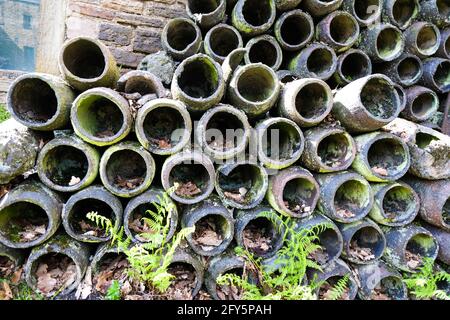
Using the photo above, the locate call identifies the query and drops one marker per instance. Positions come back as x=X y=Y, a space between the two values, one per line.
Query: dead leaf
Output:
x=381 y=171
x=74 y=181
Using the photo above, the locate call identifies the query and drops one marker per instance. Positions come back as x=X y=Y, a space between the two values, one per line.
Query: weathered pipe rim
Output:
x=262 y=127
x=433 y=70
x=207 y=41
x=416 y=232
x=105 y=52
x=118 y=101
x=187 y=257
x=203 y=124
x=150 y=106
x=76 y=143
x=282 y=19
x=87 y=194
x=190 y=157
x=343 y=56
x=269 y=39
x=400 y=44
x=148 y=197
x=49 y=80
x=321 y=7
x=430 y=51
x=282 y=74
x=100 y=253
x=221 y=7
x=402 y=99
x=389 y=8
x=375 y=16
x=306 y=54
x=224 y=264
x=144 y=154
x=160 y=91
x=416 y=93
x=258 y=198
x=350 y=41
x=180 y=53
x=239 y=22
x=416 y=78
x=443 y=51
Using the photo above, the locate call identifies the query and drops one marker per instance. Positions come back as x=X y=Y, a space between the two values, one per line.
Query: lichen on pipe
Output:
x=307 y=102
x=422 y=103
x=280 y=142
x=401 y=13
x=345 y=196
x=284 y=5
x=405 y=70
x=443 y=239
x=319 y=8
x=68 y=164
x=163 y=126
x=315 y=61
x=396 y=204
x=242 y=184
x=40 y=101
x=206 y=13
x=92 y=199
x=436 y=74
x=221 y=40
x=87 y=63
x=191 y=173
x=353 y=64
x=253 y=17
x=435 y=11
x=366 y=12
x=328 y=149
x=101 y=117
x=160 y=64
x=422 y=39
x=264 y=49
x=381 y=157
x=181 y=38
x=231 y=63
x=58 y=248
x=29 y=206
x=367 y=104
x=254 y=88
x=294 y=30
x=137 y=208
x=142 y=82
x=339 y=30
x=198 y=82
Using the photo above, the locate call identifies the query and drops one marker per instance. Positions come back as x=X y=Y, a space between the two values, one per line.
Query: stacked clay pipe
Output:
x=354 y=93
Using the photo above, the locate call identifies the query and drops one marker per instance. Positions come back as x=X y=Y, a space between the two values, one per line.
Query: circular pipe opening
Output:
x=222 y=131
x=351 y=199
x=365 y=9
x=7 y=267
x=256 y=84
x=23 y=222
x=299 y=195
x=428 y=39
x=354 y=66
x=191 y=179
x=126 y=170
x=442 y=75
x=199 y=78
x=283 y=141
x=330 y=247
x=312 y=101
x=403 y=11
x=84 y=59
x=296 y=30
x=419 y=247
x=138 y=227
x=141 y=85
x=33 y=100
x=423 y=140
x=184 y=282
x=223 y=40
x=65 y=165
x=399 y=203
x=335 y=150
x=443 y=7
x=343 y=29
x=99 y=116
x=379 y=98
x=389 y=288
x=424 y=105
x=320 y=61
x=257 y=12
x=181 y=34
x=159 y=126
x=203 y=6
x=366 y=244
x=409 y=69
x=327 y=288
x=112 y=266
x=259 y=236
x=227 y=292
x=389 y=43
x=83 y=226
x=264 y=51
x=210 y=232
x=387 y=157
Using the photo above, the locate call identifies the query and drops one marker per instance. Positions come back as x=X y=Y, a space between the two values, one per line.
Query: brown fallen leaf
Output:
x=357 y=252
x=5 y=291
x=381 y=171
x=188 y=189
x=344 y=213
x=413 y=261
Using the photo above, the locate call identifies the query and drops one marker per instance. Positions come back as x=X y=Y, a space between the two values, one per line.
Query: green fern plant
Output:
x=424 y=283
x=113 y=292
x=287 y=282
x=339 y=289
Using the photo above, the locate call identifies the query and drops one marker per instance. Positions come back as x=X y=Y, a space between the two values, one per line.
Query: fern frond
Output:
x=339 y=288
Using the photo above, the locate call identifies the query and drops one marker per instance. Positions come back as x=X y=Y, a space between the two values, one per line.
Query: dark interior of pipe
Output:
x=242 y=184
x=398 y=203
x=223 y=41
x=352 y=196
x=56 y=262
x=141 y=85
x=379 y=98
x=334 y=150
x=180 y=35
x=299 y=195
x=224 y=131
x=259 y=236
x=443 y=7
x=427 y=39
x=446 y=211
x=82 y=225
x=84 y=59
x=365 y=9
x=391 y=287
x=7 y=266
x=387 y=154
x=214 y=226
x=186 y=174
x=33 y=100
x=99 y=117
x=265 y=52
x=320 y=61
x=329 y=241
x=199 y=78
x=447 y=46
x=343 y=29
x=63 y=163
x=423 y=104
x=444 y=285
x=369 y=237
x=126 y=169
x=330 y=284
x=256 y=12
x=161 y=127
x=403 y=11
x=389 y=42
x=312 y=101
x=203 y=6
x=184 y=282
x=423 y=140
x=409 y=69
x=138 y=227
x=442 y=75
x=283 y=141
x=106 y=262
x=422 y=245
x=288 y=78
x=354 y=66
x=23 y=222
x=256 y=84
x=295 y=30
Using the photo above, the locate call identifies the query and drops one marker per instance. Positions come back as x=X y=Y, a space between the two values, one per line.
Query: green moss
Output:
x=4 y=115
